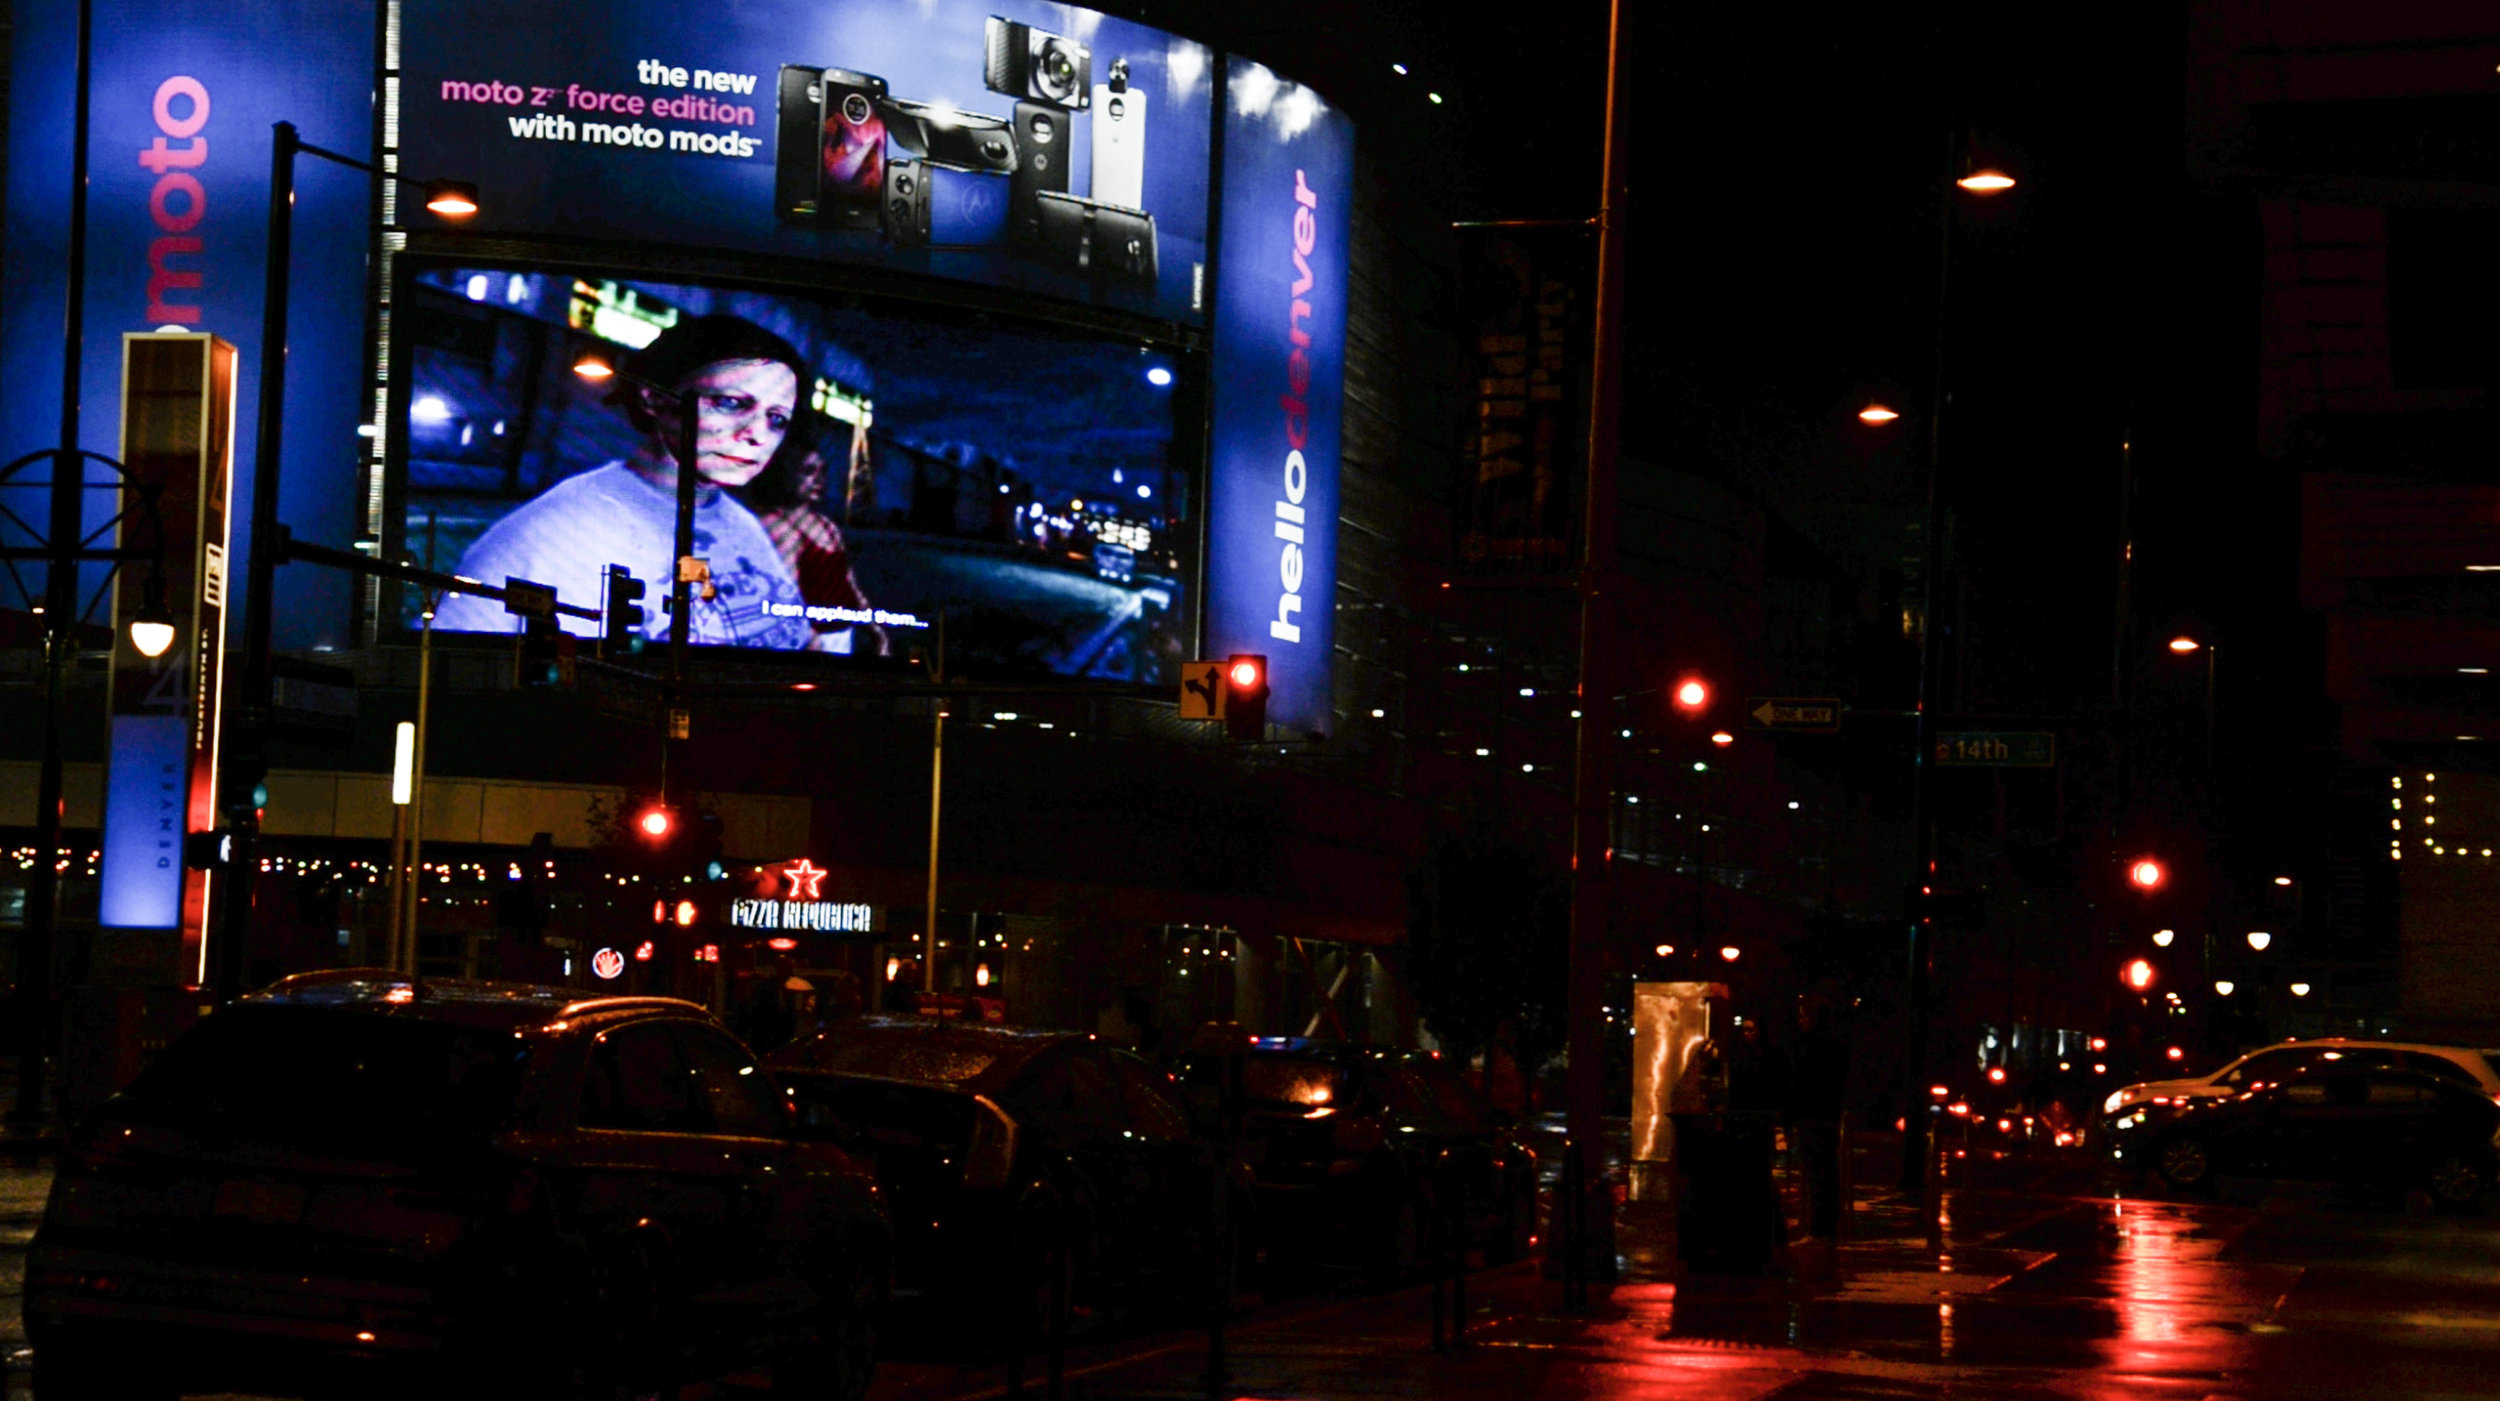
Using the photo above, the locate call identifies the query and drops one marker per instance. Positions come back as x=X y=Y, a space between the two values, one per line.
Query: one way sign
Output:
x=1202 y=690
x=1793 y=713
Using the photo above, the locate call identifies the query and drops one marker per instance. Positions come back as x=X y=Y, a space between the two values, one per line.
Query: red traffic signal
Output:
x=2138 y=974
x=2147 y=873
x=656 y=822
x=1245 y=696
x=1692 y=696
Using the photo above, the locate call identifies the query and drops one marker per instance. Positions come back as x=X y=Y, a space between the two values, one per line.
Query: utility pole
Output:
x=1592 y=809
x=937 y=799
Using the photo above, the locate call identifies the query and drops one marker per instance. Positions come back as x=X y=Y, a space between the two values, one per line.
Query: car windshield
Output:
x=1289 y=1080
x=318 y=1066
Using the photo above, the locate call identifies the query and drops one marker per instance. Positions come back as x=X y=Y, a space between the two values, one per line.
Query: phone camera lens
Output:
x=903 y=183
x=1044 y=131
x=1058 y=72
x=1119 y=109
x=855 y=110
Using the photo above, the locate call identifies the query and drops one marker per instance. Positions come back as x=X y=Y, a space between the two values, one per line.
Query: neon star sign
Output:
x=803 y=907
x=806 y=881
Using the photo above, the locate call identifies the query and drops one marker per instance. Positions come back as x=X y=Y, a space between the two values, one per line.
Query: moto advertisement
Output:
x=1041 y=147
x=866 y=466
x=1278 y=382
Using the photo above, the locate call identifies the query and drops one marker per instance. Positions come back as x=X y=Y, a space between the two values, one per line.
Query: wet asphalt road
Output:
x=2046 y=1288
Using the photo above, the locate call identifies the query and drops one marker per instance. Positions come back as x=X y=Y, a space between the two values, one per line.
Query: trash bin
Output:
x=1727 y=1218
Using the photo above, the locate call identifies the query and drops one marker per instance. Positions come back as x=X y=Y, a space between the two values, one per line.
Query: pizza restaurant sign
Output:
x=802 y=907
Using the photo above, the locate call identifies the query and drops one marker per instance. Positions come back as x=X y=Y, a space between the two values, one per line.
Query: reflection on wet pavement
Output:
x=2036 y=1294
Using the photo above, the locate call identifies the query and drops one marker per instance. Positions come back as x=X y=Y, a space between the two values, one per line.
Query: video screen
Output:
x=1043 y=147
x=863 y=466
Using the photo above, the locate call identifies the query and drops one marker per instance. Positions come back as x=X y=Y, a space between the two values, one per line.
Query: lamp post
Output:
x=2185 y=646
x=1981 y=182
x=450 y=199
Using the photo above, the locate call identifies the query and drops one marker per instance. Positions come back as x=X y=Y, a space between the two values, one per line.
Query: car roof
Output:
x=458 y=1001
x=917 y=1043
x=2355 y=1043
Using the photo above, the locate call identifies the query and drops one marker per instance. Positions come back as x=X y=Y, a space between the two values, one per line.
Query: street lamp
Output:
x=447 y=199
x=2225 y=987
x=2300 y=989
x=152 y=627
x=1876 y=414
x=1983 y=181
x=2162 y=937
x=2258 y=939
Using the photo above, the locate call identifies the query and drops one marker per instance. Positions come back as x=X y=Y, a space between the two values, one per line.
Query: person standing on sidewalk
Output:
x=1818 y=1085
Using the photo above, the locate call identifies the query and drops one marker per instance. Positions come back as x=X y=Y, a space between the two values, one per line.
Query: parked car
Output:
x=2380 y=1126
x=506 y=1189
x=2273 y=1064
x=974 y=1128
x=1355 y=1150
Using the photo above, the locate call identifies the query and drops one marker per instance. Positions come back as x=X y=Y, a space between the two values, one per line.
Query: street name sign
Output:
x=1793 y=712
x=1996 y=749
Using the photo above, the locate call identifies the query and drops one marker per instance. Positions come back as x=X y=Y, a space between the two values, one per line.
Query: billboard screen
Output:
x=865 y=465
x=1036 y=147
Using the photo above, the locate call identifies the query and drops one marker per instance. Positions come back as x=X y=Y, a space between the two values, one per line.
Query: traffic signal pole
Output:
x=1592 y=809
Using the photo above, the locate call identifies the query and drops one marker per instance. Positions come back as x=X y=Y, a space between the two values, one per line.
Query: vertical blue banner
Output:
x=1279 y=366
x=184 y=94
x=146 y=787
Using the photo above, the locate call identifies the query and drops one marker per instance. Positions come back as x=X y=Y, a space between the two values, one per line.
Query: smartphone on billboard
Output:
x=931 y=205
x=1044 y=139
x=1097 y=239
x=932 y=131
x=795 y=157
x=850 y=185
x=1119 y=141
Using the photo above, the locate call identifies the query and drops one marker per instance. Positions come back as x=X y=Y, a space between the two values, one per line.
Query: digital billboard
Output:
x=1036 y=147
x=865 y=465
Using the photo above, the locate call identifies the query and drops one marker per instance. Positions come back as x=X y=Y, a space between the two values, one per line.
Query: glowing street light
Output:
x=2258 y=939
x=2184 y=645
x=1987 y=180
x=2300 y=989
x=1876 y=414
x=2162 y=937
x=2224 y=987
x=1731 y=953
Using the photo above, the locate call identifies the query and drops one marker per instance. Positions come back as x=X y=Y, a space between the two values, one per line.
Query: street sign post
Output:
x=1202 y=690
x=1809 y=714
x=1996 y=749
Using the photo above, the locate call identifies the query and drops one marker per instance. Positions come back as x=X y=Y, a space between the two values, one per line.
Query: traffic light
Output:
x=2138 y=974
x=703 y=848
x=2147 y=874
x=1245 y=696
x=655 y=823
x=546 y=654
x=622 y=612
x=1691 y=695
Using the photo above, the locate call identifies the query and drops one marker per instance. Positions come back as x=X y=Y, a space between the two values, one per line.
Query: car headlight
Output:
x=2117 y=1100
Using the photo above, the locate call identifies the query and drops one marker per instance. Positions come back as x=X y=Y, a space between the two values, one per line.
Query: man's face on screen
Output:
x=745 y=407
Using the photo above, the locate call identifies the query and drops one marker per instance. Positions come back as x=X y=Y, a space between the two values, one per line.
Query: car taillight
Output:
x=989 y=1159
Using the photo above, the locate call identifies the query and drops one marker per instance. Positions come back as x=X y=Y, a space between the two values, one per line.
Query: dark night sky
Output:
x=1785 y=165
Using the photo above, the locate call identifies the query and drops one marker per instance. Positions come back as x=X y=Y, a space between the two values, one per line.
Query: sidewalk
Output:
x=1874 y=1316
